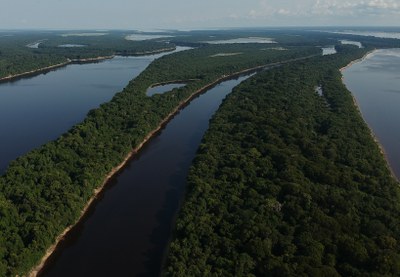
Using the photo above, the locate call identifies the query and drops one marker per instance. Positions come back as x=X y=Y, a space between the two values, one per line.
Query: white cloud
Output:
x=270 y=8
x=321 y=8
x=284 y=12
x=382 y=4
x=348 y=8
x=325 y=7
x=197 y=14
x=253 y=13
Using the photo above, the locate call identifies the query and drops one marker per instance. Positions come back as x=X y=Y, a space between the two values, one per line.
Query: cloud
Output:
x=349 y=8
x=382 y=4
x=269 y=8
x=322 y=8
x=284 y=12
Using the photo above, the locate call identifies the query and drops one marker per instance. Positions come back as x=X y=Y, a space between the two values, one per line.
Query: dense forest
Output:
x=309 y=192
x=289 y=183
x=18 y=55
x=283 y=37
x=26 y=51
x=44 y=191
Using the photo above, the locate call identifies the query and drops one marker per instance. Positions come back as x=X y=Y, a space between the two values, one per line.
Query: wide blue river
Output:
x=127 y=230
x=375 y=83
x=36 y=110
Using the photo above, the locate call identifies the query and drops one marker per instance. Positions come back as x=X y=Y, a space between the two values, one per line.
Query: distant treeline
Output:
x=289 y=183
x=16 y=57
x=45 y=190
x=284 y=37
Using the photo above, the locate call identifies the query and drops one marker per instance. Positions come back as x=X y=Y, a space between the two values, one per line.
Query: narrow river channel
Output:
x=39 y=109
x=127 y=230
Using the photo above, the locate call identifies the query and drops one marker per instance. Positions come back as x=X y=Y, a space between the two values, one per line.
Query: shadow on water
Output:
x=75 y=233
x=166 y=218
x=127 y=229
x=162 y=233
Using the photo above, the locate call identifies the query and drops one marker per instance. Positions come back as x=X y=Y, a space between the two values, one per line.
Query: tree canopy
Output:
x=289 y=183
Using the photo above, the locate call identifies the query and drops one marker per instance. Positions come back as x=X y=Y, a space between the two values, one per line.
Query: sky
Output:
x=191 y=14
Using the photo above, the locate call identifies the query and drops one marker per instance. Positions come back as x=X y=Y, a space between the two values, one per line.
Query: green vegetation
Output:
x=16 y=57
x=284 y=37
x=286 y=183
x=44 y=191
x=289 y=183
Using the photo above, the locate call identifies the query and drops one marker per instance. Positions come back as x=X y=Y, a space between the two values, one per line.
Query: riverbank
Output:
x=46 y=69
x=144 y=53
x=366 y=56
x=183 y=103
x=161 y=84
x=42 y=70
x=343 y=180
x=172 y=82
x=357 y=106
x=91 y=60
x=33 y=72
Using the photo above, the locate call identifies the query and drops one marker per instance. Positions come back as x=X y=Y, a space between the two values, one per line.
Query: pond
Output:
x=163 y=88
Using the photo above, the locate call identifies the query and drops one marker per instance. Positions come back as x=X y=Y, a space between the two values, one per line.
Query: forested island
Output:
x=31 y=52
x=289 y=183
x=26 y=53
x=44 y=191
x=286 y=182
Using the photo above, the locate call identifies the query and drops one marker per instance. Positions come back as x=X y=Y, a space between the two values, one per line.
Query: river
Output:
x=125 y=233
x=39 y=109
x=375 y=83
x=127 y=230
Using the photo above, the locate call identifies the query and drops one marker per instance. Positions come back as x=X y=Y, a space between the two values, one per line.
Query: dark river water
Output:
x=36 y=110
x=375 y=83
x=127 y=230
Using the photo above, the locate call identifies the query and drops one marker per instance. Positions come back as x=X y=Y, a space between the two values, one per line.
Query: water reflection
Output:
x=127 y=233
x=375 y=83
x=38 y=109
x=163 y=88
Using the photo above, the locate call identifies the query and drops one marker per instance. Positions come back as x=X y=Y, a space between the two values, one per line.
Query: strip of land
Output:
x=68 y=171
x=382 y=149
x=284 y=185
x=150 y=135
x=76 y=61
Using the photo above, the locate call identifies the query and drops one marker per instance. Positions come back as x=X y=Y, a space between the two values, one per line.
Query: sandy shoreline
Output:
x=375 y=138
x=34 y=272
x=366 y=56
